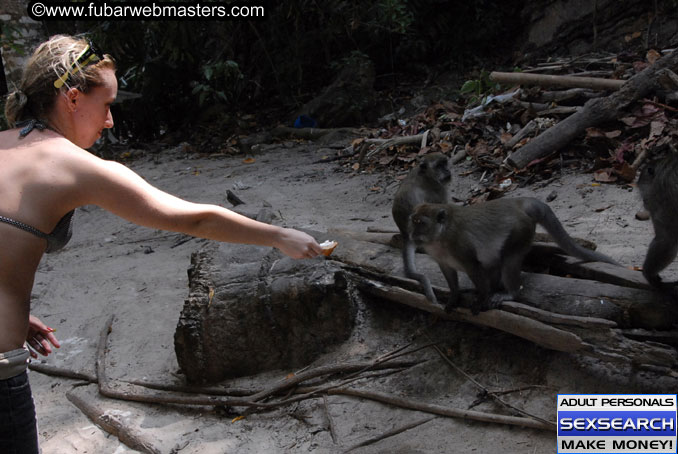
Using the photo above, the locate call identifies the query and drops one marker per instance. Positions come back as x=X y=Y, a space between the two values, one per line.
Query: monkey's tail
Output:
x=542 y=214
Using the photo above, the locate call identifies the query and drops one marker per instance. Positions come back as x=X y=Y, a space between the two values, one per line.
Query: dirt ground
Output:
x=139 y=275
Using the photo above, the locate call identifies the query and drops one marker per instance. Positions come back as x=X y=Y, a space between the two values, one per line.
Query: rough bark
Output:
x=249 y=309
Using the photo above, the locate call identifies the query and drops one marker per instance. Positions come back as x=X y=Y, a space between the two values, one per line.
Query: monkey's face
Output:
x=436 y=167
x=442 y=171
x=426 y=223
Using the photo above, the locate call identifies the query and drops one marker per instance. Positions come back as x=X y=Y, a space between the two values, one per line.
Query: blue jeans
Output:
x=18 y=429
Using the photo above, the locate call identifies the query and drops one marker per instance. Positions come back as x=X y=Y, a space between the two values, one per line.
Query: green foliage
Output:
x=184 y=69
x=222 y=82
x=398 y=17
x=477 y=89
x=9 y=34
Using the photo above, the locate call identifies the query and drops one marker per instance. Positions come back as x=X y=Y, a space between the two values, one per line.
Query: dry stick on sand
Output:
x=417 y=405
x=56 y=371
x=594 y=112
x=390 y=433
x=112 y=424
x=331 y=369
x=48 y=369
x=443 y=411
x=330 y=421
x=106 y=389
x=109 y=389
x=487 y=392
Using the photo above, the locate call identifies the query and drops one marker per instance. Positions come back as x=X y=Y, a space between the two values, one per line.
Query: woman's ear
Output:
x=72 y=96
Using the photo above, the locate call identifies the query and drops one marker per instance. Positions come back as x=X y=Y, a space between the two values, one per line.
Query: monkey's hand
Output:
x=497 y=299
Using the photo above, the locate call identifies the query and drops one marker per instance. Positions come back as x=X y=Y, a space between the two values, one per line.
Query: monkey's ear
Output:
x=423 y=166
x=441 y=216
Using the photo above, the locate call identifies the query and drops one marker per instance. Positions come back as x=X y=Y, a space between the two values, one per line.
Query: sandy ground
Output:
x=139 y=275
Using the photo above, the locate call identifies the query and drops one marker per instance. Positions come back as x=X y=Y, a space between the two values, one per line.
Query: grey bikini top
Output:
x=61 y=234
x=57 y=239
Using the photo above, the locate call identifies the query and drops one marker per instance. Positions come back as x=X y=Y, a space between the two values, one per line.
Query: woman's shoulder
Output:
x=36 y=142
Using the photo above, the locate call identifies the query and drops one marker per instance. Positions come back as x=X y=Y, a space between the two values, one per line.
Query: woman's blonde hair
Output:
x=34 y=99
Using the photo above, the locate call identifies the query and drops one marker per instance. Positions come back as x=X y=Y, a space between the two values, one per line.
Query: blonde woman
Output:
x=61 y=108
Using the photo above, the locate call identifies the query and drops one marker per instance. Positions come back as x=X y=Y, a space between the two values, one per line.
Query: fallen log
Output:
x=250 y=309
x=527 y=328
x=594 y=112
x=564 y=265
x=546 y=80
x=111 y=422
x=595 y=339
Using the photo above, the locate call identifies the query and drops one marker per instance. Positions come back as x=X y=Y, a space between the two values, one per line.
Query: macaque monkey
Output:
x=658 y=184
x=426 y=183
x=488 y=241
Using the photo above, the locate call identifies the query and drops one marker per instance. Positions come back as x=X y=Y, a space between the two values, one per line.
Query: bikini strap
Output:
x=24 y=227
x=28 y=125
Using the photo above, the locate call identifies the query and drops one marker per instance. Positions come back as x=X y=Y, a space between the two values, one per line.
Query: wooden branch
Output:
x=559 y=110
x=322 y=370
x=529 y=128
x=458 y=156
x=207 y=390
x=388 y=239
x=598 y=271
x=442 y=411
x=487 y=392
x=546 y=80
x=395 y=141
x=48 y=369
x=330 y=421
x=390 y=433
x=110 y=389
x=557 y=319
x=55 y=371
x=112 y=424
x=565 y=95
x=532 y=330
x=594 y=112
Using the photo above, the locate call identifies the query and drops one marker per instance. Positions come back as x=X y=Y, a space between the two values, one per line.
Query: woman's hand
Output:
x=40 y=336
x=298 y=245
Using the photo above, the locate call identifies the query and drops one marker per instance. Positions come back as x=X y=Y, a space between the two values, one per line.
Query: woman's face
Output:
x=92 y=110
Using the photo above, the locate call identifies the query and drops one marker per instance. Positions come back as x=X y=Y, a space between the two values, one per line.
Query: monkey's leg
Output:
x=409 y=249
x=510 y=273
x=481 y=278
x=660 y=254
x=452 y=279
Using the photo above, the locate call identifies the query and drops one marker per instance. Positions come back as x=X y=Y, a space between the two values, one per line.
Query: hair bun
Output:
x=20 y=96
